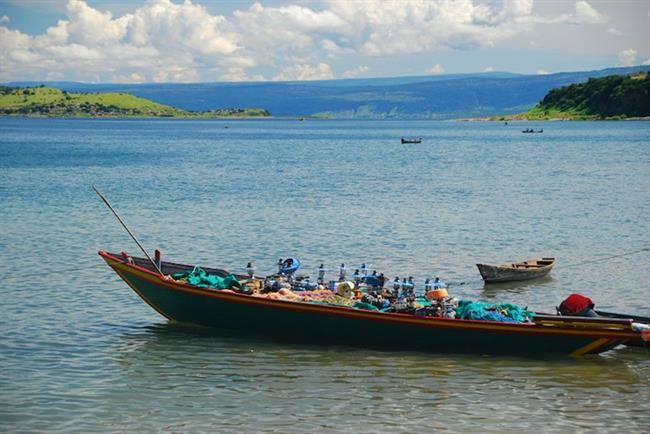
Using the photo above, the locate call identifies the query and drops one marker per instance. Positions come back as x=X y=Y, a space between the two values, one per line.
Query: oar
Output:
x=593 y=261
x=101 y=196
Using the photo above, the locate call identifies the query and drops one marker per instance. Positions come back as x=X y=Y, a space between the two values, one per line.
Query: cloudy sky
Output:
x=208 y=40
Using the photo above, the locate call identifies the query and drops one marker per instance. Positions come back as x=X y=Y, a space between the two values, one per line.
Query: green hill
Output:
x=612 y=97
x=52 y=102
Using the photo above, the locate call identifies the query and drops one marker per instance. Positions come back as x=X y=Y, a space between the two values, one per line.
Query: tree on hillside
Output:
x=604 y=97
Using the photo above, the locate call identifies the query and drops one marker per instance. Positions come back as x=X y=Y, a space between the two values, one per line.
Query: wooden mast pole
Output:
x=101 y=196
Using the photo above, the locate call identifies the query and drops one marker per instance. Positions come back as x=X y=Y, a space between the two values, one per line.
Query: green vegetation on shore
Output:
x=612 y=97
x=52 y=102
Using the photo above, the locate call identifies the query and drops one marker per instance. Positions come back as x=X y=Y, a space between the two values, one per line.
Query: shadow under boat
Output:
x=517 y=284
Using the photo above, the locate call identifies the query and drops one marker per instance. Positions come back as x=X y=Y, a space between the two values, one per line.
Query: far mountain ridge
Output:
x=370 y=81
x=416 y=97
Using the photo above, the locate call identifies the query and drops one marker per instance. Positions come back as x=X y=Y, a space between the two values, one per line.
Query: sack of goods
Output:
x=577 y=305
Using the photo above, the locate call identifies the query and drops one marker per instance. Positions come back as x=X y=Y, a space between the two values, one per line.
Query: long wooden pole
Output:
x=101 y=196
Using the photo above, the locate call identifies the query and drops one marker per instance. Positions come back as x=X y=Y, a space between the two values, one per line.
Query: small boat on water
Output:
x=530 y=130
x=411 y=139
x=244 y=312
x=530 y=269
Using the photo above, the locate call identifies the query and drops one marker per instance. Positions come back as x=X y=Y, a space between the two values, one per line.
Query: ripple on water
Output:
x=80 y=352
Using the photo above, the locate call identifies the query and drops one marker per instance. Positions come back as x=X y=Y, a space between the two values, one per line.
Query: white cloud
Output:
x=332 y=49
x=322 y=71
x=615 y=32
x=488 y=69
x=90 y=27
x=176 y=73
x=160 y=41
x=646 y=62
x=170 y=40
x=355 y=72
x=627 y=57
x=331 y=46
x=187 y=26
x=585 y=13
x=239 y=62
x=13 y=40
x=238 y=73
x=278 y=33
x=542 y=72
x=388 y=27
x=234 y=74
x=436 y=69
x=133 y=78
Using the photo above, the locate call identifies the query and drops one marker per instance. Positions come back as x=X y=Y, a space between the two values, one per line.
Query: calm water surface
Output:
x=80 y=352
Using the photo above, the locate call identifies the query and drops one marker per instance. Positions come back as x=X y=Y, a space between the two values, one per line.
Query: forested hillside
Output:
x=615 y=96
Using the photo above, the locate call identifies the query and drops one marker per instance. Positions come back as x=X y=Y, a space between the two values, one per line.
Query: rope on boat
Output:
x=466 y=282
x=472 y=282
x=646 y=249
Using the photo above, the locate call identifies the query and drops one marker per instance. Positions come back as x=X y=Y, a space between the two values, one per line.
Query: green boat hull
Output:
x=319 y=323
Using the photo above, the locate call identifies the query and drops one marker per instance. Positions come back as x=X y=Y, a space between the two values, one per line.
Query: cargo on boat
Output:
x=265 y=306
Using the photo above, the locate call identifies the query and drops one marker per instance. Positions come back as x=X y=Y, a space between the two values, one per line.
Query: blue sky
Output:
x=201 y=40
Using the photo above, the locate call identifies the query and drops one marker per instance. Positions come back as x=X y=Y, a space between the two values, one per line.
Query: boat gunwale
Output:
x=120 y=265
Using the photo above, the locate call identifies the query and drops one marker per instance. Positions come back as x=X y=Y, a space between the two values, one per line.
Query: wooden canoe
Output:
x=525 y=270
x=323 y=323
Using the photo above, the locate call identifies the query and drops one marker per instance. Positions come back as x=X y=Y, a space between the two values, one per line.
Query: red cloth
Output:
x=575 y=304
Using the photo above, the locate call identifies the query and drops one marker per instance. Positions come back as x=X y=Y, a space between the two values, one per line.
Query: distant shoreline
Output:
x=180 y=118
x=317 y=118
x=520 y=119
x=50 y=102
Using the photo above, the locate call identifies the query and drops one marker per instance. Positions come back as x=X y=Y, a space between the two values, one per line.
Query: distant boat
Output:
x=530 y=130
x=411 y=139
x=530 y=269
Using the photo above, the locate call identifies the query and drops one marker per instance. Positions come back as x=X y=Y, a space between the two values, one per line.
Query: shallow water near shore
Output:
x=80 y=352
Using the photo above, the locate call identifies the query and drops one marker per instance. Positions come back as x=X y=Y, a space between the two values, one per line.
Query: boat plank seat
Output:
x=579 y=321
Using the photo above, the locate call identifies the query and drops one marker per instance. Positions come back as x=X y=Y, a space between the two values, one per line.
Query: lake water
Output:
x=80 y=352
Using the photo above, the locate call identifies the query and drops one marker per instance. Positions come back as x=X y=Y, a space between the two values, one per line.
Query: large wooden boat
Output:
x=525 y=270
x=312 y=322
